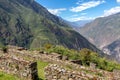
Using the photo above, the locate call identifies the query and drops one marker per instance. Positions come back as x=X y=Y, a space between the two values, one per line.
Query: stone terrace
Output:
x=12 y=64
x=22 y=62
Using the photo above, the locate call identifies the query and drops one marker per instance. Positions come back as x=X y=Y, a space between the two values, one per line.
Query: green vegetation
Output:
x=85 y=56
x=4 y=76
x=5 y=49
x=31 y=26
x=41 y=66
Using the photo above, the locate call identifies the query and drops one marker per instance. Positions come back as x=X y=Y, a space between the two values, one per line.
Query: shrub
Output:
x=5 y=49
x=48 y=46
x=85 y=56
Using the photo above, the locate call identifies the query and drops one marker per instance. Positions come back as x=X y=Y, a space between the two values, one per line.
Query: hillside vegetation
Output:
x=28 y=24
x=84 y=56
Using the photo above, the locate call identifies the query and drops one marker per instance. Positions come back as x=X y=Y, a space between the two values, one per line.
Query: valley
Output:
x=38 y=43
x=104 y=32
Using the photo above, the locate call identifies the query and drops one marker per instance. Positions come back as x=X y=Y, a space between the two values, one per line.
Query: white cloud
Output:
x=86 y=5
x=118 y=1
x=56 y=11
x=79 y=1
x=112 y=11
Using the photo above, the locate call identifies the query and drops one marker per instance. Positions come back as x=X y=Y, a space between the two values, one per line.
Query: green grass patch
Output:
x=41 y=65
x=4 y=76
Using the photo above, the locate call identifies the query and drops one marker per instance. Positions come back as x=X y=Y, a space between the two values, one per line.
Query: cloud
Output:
x=56 y=11
x=79 y=1
x=86 y=5
x=118 y=1
x=111 y=11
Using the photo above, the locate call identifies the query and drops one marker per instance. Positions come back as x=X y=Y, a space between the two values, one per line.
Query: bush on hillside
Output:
x=86 y=56
x=5 y=49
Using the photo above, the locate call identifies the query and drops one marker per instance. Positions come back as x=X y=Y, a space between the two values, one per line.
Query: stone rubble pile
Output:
x=56 y=72
x=12 y=64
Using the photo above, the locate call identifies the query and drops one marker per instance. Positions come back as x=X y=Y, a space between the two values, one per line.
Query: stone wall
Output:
x=22 y=62
x=55 y=72
x=25 y=70
x=116 y=74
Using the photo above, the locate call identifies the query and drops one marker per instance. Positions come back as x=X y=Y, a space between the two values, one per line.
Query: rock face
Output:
x=113 y=50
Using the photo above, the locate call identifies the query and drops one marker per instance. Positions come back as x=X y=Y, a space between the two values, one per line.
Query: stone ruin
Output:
x=59 y=56
x=25 y=70
x=116 y=74
x=56 y=72
x=92 y=65
x=14 y=62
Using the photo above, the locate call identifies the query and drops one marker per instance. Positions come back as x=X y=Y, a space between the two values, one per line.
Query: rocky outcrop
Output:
x=113 y=50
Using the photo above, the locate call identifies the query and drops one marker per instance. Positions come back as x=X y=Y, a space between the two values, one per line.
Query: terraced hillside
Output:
x=55 y=64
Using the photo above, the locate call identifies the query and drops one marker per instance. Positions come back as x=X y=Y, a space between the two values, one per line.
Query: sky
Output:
x=75 y=10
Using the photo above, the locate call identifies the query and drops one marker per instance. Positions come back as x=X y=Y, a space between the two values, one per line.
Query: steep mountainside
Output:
x=113 y=50
x=28 y=24
x=102 y=31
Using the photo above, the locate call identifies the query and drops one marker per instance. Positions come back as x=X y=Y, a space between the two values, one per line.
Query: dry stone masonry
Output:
x=56 y=72
x=23 y=69
x=11 y=64
x=22 y=63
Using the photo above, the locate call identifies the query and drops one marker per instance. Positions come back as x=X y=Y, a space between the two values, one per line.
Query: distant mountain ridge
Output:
x=26 y=23
x=104 y=32
x=78 y=24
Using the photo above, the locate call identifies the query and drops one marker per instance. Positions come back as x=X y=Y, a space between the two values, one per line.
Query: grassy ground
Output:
x=4 y=76
x=41 y=66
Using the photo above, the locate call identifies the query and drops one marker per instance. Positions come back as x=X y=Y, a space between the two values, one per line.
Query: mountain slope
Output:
x=102 y=31
x=113 y=50
x=28 y=24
